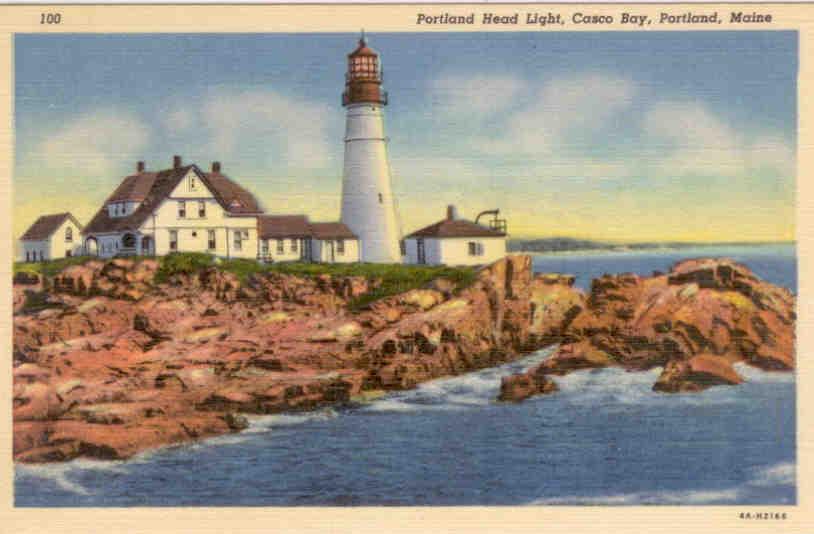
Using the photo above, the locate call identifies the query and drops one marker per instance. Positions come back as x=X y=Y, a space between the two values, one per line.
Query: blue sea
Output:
x=604 y=439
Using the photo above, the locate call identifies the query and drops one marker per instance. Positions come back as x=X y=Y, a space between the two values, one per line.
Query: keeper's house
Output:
x=51 y=237
x=454 y=241
x=184 y=209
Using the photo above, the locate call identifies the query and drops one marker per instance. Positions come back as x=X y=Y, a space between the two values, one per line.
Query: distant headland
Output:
x=570 y=244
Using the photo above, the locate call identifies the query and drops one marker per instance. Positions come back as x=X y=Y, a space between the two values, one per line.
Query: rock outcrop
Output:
x=118 y=360
x=694 y=321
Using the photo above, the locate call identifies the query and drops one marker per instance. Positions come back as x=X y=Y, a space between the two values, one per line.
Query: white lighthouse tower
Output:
x=368 y=208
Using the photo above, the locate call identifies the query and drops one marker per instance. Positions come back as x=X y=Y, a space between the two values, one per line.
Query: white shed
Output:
x=333 y=242
x=51 y=237
x=454 y=241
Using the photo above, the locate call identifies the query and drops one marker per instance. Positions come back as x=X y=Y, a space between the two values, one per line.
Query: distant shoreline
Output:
x=559 y=245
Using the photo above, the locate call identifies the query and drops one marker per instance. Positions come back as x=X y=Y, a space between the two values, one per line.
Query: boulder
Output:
x=696 y=374
x=516 y=388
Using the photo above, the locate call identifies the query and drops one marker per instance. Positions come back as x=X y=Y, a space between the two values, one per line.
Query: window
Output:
x=340 y=247
x=69 y=235
x=403 y=247
x=192 y=182
x=42 y=258
x=68 y=254
x=280 y=246
x=212 y=242
x=182 y=209
x=264 y=248
x=27 y=256
x=475 y=248
x=238 y=240
x=293 y=245
x=381 y=199
x=173 y=239
x=201 y=209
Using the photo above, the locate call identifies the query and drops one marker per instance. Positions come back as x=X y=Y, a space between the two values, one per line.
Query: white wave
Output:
x=754 y=374
x=609 y=386
x=477 y=388
x=661 y=497
x=264 y=423
x=782 y=474
x=56 y=473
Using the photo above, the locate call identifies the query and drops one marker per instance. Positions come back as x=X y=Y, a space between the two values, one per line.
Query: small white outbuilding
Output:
x=454 y=241
x=51 y=237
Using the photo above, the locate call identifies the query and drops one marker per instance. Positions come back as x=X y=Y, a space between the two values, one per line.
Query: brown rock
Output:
x=516 y=388
x=698 y=373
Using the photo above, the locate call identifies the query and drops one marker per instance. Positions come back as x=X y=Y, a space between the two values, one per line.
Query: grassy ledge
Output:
x=396 y=278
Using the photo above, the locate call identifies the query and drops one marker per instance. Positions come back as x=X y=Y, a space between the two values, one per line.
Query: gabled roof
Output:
x=331 y=230
x=152 y=188
x=46 y=225
x=283 y=226
x=134 y=188
x=456 y=228
x=230 y=195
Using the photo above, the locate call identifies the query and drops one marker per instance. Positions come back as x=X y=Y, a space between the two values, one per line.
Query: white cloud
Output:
x=689 y=138
x=478 y=94
x=93 y=144
x=290 y=129
x=566 y=110
x=179 y=120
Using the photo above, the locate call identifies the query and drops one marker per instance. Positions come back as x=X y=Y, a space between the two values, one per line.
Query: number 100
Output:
x=50 y=18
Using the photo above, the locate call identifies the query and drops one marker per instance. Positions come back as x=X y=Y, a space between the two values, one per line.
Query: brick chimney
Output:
x=216 y=167
x=176 y=162
x=451 y=213
x=140 y=167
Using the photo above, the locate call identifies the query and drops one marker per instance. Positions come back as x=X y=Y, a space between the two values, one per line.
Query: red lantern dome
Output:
x=363 y=81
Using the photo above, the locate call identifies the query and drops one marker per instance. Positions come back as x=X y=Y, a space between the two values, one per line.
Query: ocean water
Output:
x=604 y=439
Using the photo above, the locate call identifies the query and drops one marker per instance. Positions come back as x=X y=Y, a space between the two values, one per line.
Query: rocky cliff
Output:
x=694 y=322
x=109 y=361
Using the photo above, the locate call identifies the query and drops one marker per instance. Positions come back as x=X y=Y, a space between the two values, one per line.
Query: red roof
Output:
x=232 y=197
x=46 y=225
x=456 y=228
x=283 y=226
x=134 y=188
x=363 y=50
x=331 y=230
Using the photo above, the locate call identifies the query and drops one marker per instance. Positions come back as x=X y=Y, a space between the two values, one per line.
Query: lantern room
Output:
x=364 y=77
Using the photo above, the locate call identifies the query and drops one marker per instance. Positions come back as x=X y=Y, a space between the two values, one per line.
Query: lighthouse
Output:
x=368 y=207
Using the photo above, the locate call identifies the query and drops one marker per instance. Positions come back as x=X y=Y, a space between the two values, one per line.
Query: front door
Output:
x=422 y=259
x=305 y=249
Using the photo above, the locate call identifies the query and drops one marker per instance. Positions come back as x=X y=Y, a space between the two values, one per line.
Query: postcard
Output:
x=419 y=267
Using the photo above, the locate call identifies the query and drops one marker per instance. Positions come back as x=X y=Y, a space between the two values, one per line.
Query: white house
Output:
x=454 y=241
x=284 y=237
x=333 y=242
x=182 y=209
x=51 y=237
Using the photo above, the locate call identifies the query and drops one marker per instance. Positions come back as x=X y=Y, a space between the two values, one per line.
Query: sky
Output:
x=619 y=136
